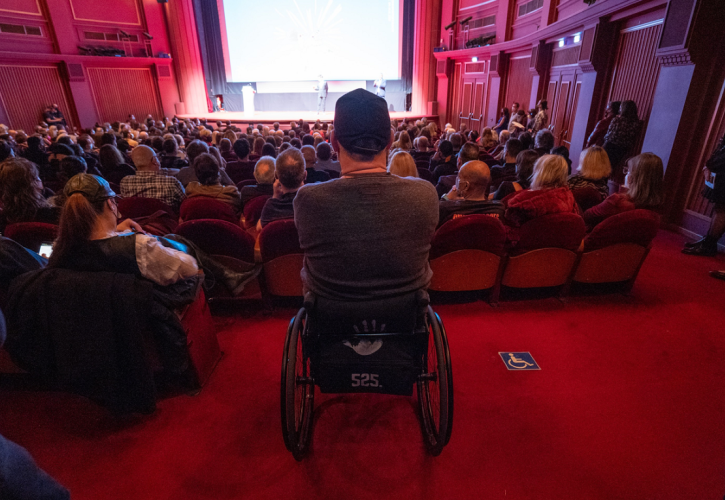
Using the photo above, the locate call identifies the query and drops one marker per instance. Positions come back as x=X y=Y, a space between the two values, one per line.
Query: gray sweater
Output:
x=366 y=237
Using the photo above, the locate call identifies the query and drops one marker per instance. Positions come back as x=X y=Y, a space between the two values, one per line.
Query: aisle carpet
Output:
x=629 y=404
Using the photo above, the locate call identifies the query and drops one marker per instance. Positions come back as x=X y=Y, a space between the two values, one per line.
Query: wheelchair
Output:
x=377 y=346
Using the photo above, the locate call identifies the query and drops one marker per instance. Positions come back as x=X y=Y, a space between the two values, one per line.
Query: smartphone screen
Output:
x=46 y=249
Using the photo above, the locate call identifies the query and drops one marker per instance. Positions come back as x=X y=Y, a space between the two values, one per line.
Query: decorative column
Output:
x=427 y=36
x=184 y=42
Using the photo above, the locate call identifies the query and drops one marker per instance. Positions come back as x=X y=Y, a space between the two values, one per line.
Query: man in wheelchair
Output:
x=366 y=325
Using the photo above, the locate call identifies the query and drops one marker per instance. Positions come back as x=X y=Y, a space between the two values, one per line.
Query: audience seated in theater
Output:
x=21 y=193
x=6 y=150
x=563 y=151
x=403 y=143
x=269 y=150
x=170 y=160
x=209 y=183
x=188 y=174
x=549 y=193
x=528 y=141
x=541 y=118
x=35 y=152
x=310 y=156
x=596 y=138
x=594 y=171
x=644 y=183
x=359 y=246
x=70 y=166
x=257 y=146
x=264 y=175
x=508 y=170
x=503 y=122
x=488 y=140
x=113 y=165
x=470 y=194
x=308 y=140
x=89 y=238
x=150 y=181
x=544 y=142
x=324 y=158
x=444 y=161
x=444 y=183
x=291 y=173
x=497 y=152
x=402 y=165
x=457 y=142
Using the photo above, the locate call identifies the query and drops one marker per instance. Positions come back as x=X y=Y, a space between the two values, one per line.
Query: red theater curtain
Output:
x=26 y=91
x=119 y=92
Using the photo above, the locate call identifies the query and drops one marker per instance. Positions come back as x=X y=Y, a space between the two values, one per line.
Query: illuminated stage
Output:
x=285 y=117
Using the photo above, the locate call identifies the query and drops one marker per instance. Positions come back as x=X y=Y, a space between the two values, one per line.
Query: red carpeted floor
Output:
x=629 y=404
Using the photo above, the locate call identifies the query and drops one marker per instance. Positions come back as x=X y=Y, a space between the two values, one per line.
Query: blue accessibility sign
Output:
x=519 y=361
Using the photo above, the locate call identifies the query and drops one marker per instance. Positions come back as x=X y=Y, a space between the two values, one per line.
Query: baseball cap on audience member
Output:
x=362 y=122
x=91 y=186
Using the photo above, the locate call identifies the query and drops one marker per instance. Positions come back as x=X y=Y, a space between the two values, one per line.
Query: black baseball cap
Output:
x=91 y=186
x=362 y=122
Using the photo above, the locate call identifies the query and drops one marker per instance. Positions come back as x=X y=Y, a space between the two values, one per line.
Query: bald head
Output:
x=143 y=157
x=474 y=178
x=264 y=170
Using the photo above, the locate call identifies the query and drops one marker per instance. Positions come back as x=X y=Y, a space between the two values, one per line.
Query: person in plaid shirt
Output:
x=150 y=182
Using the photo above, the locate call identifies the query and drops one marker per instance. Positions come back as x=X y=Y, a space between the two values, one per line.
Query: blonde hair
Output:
x=645 y=180
x=550 y=171
x=402 y=165
x=594 y=163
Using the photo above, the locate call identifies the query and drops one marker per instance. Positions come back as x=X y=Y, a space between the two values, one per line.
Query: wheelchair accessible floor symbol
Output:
x=519 y=361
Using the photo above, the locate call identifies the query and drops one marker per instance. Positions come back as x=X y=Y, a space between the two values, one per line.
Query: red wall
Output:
x=46 y=67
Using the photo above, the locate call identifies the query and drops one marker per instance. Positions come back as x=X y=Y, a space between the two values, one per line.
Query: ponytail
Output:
x=76 y=225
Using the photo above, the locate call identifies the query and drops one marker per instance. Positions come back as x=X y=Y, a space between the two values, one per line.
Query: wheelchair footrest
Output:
x=386 y=365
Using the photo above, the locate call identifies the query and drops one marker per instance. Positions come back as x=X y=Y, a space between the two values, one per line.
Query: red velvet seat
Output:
x=226 y=243
x=282 y=258
x=467 y=253
x=136 y=207
x=587 y=197
x=202 y=207
x=247 y=182
x=546 y=252
x=239 y=171
x=32 y=234
x=426 y=174
x=616 y=248
x=253 y=210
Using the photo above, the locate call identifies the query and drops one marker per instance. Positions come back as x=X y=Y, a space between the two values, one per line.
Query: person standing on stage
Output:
x=380 y=86
x=321 y=89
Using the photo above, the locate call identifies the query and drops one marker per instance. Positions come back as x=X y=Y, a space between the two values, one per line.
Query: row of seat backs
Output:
x=468 y=253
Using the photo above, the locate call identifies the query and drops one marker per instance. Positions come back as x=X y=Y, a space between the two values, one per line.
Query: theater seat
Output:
x=467 y=254
x=253 y=210
x=226 y=243
x=587 y=197
x=282 y=257
x=239 y=171
x=616 y=248
x=137 y=206
x=546 y=252
x=426 y=174
x=32 y=234
x=202 y=207
x=247 y=182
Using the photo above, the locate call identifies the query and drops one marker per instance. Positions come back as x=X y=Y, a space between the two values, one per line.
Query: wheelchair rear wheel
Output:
x=297 y=389
x=435 y=388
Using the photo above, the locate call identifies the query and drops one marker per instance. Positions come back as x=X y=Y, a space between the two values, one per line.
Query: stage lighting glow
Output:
x=577 y=38
x=297 y=40
x=561 y=43
x=474 y=59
